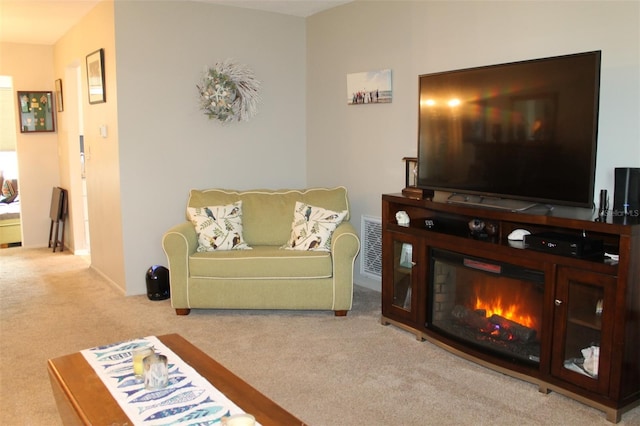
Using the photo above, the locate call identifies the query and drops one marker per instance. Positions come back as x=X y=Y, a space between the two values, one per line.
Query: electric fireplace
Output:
x=495 y=307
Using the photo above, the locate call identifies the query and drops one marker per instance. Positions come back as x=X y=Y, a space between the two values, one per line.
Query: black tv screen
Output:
x=524 y=130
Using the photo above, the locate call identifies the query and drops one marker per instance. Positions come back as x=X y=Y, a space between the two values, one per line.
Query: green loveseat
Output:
x=266 y=276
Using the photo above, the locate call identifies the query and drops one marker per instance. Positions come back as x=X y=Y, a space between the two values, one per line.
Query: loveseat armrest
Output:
x=345 y=246
x=179 y=242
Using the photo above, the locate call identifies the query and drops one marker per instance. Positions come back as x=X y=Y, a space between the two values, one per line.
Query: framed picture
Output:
x=59 y=102
x=36 y=113
x=95 y=77
x=372 y=87
x=406 y=256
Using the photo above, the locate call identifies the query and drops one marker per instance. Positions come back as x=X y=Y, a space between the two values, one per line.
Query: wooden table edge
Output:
x=252 y=401
x=78 y=406
x=82 y=399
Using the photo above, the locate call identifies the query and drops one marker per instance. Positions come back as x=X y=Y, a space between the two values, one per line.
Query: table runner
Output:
x=188 y=399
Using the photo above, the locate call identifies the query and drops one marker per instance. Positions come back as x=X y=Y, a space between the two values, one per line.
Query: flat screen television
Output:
x=517 y=131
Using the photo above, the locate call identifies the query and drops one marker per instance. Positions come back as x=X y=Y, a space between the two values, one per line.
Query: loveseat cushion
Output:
x=267 y=214
x=262 y=262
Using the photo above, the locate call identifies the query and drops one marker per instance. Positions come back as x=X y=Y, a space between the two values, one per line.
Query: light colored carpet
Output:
x=323 y=369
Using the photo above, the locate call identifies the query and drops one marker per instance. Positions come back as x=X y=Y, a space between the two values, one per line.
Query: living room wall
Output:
x=160 y=145
x=30 y=67
x=95 y=31
x=168 y=146
x=413 y=38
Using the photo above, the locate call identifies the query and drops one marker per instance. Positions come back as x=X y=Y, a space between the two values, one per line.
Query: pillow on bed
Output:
x=9 y=190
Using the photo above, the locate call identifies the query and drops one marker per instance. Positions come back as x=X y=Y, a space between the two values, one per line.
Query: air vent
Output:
x=371 y=235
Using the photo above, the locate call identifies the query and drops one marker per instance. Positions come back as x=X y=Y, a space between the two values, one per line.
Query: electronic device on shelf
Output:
x=565 y=244
x=518 y=235
x=516 y=131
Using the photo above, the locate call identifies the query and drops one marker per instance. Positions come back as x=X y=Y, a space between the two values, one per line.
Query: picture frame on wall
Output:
x=370 y=87
x=95 y=77
x=35 y=109
x=59 y=101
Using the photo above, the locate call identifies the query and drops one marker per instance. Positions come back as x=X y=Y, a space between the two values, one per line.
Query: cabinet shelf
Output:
x=592 y=323
x=459 y=232
x=586 y=318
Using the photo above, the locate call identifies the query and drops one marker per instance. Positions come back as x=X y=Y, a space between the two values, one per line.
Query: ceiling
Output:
x=45 y=21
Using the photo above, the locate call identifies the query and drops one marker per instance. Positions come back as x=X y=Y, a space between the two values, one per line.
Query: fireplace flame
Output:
x=511 y=311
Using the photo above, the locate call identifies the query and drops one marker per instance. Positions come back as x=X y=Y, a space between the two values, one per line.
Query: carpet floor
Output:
x=326 y=370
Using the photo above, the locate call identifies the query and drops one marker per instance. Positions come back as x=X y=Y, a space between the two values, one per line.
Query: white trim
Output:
x=275 y=192
x=333 y=266
x=209 y=277
x=186 y=243
x=109 y=280
x=226 y=259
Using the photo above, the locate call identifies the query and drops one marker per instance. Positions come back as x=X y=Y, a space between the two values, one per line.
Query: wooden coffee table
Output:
x=83 y=399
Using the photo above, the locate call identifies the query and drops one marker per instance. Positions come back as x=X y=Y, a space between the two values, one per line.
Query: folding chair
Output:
x=57 y=214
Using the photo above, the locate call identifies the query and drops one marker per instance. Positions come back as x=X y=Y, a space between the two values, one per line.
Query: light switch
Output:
x=103 y=130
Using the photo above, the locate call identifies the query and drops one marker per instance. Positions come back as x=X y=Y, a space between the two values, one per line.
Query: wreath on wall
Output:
x=229 y=92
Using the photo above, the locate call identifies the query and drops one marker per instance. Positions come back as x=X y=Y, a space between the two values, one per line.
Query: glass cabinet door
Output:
x=402 y=272
x=401 y=276
x=582 y=335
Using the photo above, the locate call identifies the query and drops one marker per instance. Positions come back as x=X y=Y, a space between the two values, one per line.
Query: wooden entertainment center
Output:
x=585 y=303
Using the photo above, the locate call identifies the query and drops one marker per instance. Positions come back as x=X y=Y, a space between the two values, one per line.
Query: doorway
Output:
x=76 y=160
x=10 y=223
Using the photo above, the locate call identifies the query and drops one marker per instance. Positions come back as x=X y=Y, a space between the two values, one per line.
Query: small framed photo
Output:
x=95 y=77
x=406 y=256
x=59 y=101
x=371 y=87
x=411 y=172
x=36 y=113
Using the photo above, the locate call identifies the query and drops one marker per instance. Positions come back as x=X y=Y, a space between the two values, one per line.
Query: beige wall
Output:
x=30 y=67
x=367 y=143
x=160 y=145
x=95 y=31
x=168 y=146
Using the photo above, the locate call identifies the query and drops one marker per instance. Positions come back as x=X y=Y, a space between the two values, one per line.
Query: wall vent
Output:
x=371 y=235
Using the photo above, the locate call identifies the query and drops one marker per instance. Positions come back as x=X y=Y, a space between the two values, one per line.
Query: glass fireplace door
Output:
x=582 y=337
x=492 y=306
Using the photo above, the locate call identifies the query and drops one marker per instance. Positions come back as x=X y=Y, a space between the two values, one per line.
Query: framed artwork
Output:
x=59 y=102
x=410 y=172
x=406 y=256
x=35 y=110
x=95 y=77
x=372 y=87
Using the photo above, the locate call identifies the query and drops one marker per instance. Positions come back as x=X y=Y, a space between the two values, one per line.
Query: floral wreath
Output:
x=229 y=92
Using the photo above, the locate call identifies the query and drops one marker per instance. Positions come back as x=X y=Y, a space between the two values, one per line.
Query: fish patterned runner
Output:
x=189 y=399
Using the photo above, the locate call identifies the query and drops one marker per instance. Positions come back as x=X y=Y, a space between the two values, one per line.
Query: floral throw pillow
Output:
x=312 y=227
x=218 y=227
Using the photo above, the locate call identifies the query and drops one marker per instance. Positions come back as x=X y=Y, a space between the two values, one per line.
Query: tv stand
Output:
x=495 y=203
x=582 y=302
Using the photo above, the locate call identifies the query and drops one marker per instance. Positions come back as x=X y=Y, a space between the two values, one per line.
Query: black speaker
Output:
x=626 y=198
x=157 y=283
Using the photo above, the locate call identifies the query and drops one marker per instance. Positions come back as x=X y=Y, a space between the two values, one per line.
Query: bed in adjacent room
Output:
x=10 y=227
